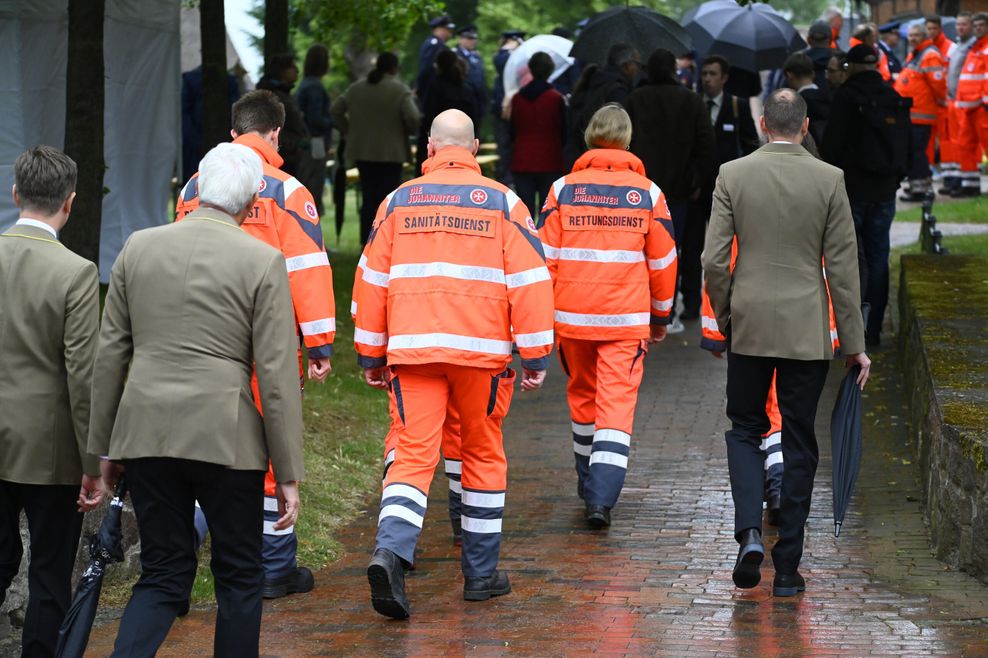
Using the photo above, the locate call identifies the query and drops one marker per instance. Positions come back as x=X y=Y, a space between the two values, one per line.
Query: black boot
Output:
x=300 y=580
x=788 y=584
x=598 y=516
x=483 y=588
x=773 y=510
x=387 y=582
x=746 y=570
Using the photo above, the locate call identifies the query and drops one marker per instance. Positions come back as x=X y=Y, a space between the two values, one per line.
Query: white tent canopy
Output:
x=142 y=120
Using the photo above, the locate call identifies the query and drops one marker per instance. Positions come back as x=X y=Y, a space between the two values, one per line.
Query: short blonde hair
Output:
x=609 y=128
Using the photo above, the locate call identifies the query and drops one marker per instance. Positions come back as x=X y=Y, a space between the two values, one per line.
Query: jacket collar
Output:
x=262 y=148
x=783 y=149
x=30 y=232
x=923 y=45
x=610 y=160
x=449 y=157
x=212 y=215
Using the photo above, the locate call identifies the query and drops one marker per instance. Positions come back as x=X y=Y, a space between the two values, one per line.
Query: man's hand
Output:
x=288 y=503
x=717 y=355
x=90 y=493
x=376 y=377
x=659 y=332
x=111 y=473
x=860 y=359
x=532 y=380
x=319 y=369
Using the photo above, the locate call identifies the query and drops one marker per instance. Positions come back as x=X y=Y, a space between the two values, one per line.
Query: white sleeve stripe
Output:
x=322 y=326
x=306 y=261
x=654 y=193
x=375 y=278
x=664 y=262
x=513 y=200
x=372 y=338
x=538 y=339
x=558 y=186
x=662 y=304
x=291 y=186
x=528 y=277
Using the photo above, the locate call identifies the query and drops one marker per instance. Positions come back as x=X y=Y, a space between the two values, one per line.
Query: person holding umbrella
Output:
x=49 y=308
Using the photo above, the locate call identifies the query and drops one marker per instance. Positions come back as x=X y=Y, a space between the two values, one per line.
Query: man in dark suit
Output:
x=193 y=309
x=798 y=71
x=49 y=312
x=773 y=307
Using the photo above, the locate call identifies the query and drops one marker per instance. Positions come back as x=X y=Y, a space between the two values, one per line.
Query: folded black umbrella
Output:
x=845 y=443
x=753 y=37
x=105 y=547
x=644 y=29
x=339 y=186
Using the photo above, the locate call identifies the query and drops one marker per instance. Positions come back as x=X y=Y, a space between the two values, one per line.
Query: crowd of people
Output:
x=621 y=190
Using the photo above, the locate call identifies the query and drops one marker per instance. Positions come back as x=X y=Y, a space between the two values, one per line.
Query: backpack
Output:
x=884 y=144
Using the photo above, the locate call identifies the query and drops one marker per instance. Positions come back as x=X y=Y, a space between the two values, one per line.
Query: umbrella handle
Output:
x=121 y=489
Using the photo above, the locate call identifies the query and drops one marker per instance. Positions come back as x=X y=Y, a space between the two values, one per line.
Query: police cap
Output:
x=468 y=32
x=443 y=21
x=513 y=34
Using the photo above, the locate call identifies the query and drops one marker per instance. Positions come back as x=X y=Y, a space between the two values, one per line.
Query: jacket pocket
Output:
x=502 y=390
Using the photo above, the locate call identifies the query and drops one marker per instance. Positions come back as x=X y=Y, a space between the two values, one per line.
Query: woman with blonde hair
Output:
x=609 y=247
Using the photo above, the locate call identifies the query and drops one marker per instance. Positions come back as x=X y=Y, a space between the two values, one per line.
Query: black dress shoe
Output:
x=483 y=588
x=690 y=313
x=579 y=488
x=186 y=606
x=773 y=510
x=598 y=516
x=746 y=570
x=300 y=581
x=387 y=583
x=788 y=584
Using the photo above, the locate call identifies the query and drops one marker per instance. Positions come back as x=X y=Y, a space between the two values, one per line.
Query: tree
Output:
x=215 y=97
x=84 y=91
x=276 y=41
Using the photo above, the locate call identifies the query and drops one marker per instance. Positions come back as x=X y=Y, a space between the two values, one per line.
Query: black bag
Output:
x=883 y=147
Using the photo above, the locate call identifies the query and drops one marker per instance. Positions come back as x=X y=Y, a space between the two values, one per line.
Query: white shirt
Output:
x=812 y=85
x=717 y=101
x=27 y=221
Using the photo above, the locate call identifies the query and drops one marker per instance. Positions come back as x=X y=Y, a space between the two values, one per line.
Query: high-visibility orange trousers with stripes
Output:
x=422 y=394
x=972 y=139
x=452 y=463
x=602 y=392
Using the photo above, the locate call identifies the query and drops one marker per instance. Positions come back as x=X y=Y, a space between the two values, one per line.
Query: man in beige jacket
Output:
x=192 y=308
x=787 y=210
x=49 y=314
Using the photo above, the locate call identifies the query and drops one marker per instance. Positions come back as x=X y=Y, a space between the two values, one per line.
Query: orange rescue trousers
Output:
x=602 y=392
x=422 y=395
x=972 y=139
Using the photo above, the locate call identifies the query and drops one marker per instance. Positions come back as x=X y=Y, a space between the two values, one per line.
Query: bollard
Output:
x=930 y=238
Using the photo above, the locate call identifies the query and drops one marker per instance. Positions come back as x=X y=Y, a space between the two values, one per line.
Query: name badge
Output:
x=728 y=127
x=448 y=220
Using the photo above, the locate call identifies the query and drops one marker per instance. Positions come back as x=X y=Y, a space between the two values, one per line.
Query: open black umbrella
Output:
x=754 y=37
x=105 y=547
x=339 y=186
x=845 y=443
x=639 y=27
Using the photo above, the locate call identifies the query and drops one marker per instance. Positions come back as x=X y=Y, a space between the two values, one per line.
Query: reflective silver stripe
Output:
x=612 y=458
x=270 y=531
x=323 y=326
x=558 y=186
x=528 y=277
x=400 y=512
x=456 y=487
x=923 y=115
x=654 y=193
x=512 y=200
x=363 y=260
x=291 y=185
x=537 y=339
x=451 y=341
x=270 y=504
x=593 y=255
x=482 y=526
x=930 y=69
x=448 y=270
x=590 y=320
x=773 y=439
x=614 y=436
x=372 y=338
x=453 y=466
x=772 y=459
x=582 y=450
x=968 y=104
x=709 y=324
x=481 y=499
x=833 y=335
x=662 y=304
x=375 y=278
x=966 y=76
x=390 y=457
x=581 y=429
x=305 y=261
x=664 y=262
x=353 y=307
x=405 y=491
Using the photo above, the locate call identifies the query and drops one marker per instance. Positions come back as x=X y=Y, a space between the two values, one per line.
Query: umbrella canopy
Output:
x=105 y=547
x=754 y=37
x=642 y=28
x=516 y=74
x=845 y=443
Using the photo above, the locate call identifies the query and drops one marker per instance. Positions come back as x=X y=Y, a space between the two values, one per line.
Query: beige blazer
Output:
x=192 y=307
x=377 y=120
x=788 y=210
x=49 y=317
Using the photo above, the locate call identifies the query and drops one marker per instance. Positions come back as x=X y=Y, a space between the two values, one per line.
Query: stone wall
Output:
x=943 y=338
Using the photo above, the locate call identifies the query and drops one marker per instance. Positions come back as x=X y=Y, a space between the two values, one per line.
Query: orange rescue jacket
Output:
x=972 y=86
x=608 y=243
x=453 y=273
x=924 y=79
x=285 y=217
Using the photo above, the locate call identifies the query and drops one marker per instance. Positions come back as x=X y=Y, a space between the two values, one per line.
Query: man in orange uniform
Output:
x=924 y=80
x=454 y=273
x=972 y=105
x=284 y=217
x=941 y=134
x=951 y=146
x=609 y=245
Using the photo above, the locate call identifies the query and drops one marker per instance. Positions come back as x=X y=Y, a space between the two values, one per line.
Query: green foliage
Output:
x=382 y=23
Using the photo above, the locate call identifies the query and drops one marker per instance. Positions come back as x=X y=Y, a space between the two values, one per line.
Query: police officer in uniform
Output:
x=510 y=40
x=442 y=31
x=466 y=49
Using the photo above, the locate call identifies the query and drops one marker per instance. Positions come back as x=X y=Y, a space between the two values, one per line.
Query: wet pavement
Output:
x=658 y=583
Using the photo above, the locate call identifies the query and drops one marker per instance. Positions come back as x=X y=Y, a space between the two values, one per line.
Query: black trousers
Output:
x=690 y=270
x=163 y=491
x=798 y=385
x=377 y=180
x=919 y=164
x=532 y=189
x=54 y=524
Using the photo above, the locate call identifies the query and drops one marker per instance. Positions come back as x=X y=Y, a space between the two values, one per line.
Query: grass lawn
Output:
x=345 y=423
x=966 y=211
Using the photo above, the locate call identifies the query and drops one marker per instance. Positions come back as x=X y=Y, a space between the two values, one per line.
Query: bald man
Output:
x=454 y=275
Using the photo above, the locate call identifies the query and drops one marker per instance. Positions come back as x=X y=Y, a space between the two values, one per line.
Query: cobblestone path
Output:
x=659 y=582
